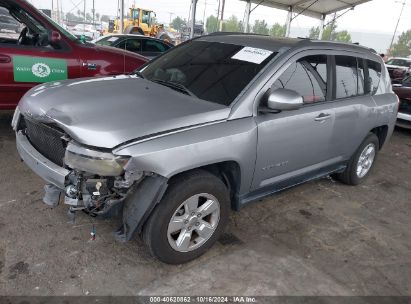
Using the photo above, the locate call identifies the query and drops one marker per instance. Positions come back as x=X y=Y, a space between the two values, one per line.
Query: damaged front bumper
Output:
x=137 y=195
x=44 y=168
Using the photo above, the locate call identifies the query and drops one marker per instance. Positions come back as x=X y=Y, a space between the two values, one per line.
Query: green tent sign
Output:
x=38 y=69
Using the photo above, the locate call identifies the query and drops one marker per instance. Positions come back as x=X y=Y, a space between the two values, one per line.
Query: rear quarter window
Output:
x=347 y=76
x=374 y=76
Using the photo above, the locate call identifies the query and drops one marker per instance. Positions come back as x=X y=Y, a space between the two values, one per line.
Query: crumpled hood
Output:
x=106 y=112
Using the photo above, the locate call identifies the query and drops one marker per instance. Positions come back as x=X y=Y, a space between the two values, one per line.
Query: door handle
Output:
x=322 y=117
x=5 y=59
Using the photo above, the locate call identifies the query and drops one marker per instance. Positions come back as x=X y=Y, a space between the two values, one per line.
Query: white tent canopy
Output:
x=311 y=8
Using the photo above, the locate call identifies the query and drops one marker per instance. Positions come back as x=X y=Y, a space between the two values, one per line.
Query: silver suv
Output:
x=210 y=126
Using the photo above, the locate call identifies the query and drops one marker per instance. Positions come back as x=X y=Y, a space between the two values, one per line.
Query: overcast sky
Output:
x=374 y=16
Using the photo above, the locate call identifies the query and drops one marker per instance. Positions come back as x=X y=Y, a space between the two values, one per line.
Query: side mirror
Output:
x=284 y=100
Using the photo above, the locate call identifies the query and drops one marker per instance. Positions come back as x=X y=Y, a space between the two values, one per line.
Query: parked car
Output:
x=86 y=30
x=398 y=67
x=214 y=124
x=403 y=91
x=146 y=46
x=8 y=24
x=44 y=51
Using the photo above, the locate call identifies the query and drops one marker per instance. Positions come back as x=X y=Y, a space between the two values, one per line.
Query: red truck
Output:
x=34 y=49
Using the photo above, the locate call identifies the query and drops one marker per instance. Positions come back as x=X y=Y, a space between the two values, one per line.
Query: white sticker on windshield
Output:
x=253 y=55
x=112 y=39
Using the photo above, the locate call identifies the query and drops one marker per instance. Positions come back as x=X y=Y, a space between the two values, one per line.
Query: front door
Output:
x=296 y=144
x=26 y=58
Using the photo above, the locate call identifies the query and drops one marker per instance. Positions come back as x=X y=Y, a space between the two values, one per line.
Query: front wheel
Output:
x=189 y=219
x=361 y=162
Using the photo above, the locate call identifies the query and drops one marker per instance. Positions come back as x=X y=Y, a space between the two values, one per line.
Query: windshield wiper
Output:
x=175 y=86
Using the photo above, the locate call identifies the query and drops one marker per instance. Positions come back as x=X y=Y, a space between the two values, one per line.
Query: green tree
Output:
x=343 y=36
x=211 y=24
x=314 y=32
x=329 y=32
x=231 y=25
x=73 y=17
x=278 y=30
x=97 y=16
x=177 y=23
x=105 y=18
x=402 y=48
x=260 y=27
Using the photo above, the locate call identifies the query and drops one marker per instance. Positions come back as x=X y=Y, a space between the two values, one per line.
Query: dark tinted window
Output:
x=347 y=76
x=154 y=46
x=374 y=76
x=122 y=44
x=207 y=69
x=307 y=77
x=133 y=45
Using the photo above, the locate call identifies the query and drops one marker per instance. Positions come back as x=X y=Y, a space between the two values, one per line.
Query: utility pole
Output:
x=404 y=3
x=218 y=11
x=171 y=15
x=121 y=16
x=193 y=17
x=94 y=12
x=222 y=14
x=85 y=20
x=205 y=7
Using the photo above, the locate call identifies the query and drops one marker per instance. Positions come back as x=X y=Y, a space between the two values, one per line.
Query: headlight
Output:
x=95 y=162
x=16 y=118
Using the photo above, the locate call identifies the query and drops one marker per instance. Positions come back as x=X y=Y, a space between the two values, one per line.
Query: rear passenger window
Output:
x=347 y=76
x=374 y=76
x=154 y=46
x=307 y=77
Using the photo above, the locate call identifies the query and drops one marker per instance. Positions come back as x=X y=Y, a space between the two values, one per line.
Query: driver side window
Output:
x=307 y=77
x=10 y=28
x=18 y=27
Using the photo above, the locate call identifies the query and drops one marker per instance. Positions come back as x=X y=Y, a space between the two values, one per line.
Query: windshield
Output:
x=399 y=62
x=61 y=29
x=216 y=72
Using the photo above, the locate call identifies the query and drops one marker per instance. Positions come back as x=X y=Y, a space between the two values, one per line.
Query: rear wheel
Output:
x=361 y=162
x=189 y=219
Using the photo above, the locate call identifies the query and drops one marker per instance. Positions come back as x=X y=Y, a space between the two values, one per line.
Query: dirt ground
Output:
x=321 y=238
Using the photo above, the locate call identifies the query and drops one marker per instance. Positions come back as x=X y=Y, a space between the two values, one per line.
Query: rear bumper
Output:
x=44 y=168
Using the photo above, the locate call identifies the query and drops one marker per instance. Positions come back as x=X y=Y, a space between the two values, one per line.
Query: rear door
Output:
x=27 y=61
x=353 y=105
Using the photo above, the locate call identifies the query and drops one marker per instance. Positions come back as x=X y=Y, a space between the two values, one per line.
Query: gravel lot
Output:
x=321 y=238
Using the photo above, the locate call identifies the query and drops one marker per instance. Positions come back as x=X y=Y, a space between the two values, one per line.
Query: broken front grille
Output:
x=47 y=140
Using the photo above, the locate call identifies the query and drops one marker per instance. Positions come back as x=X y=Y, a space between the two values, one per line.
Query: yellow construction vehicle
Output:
x=140 y=21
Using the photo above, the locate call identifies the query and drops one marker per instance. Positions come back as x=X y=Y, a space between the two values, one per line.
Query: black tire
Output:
x=349 y=176
x=180 y=189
